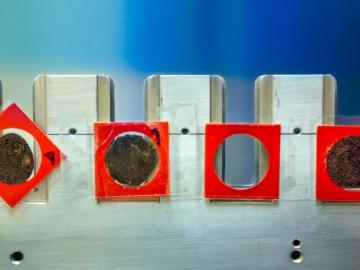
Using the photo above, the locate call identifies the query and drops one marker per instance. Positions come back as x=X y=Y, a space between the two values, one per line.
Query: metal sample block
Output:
x=299 y=103
x=187 y=102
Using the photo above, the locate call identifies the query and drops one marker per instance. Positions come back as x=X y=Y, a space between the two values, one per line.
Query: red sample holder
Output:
x=268 y=187
x=14 y=117
x=109 y=189
x=326 y=188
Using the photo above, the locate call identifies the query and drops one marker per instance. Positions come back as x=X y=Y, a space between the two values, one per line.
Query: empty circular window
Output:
x=241 y=161
x=343 y=162
x=17 y=160
x=132 y=159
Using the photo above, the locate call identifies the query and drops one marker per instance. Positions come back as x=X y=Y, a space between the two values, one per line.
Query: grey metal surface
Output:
x=302 y=101
x=186 y=102
x=73 y=231
x=296 y=102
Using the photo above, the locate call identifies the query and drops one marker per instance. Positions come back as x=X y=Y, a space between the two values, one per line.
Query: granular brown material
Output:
x=343 y=162
x=131 y=159
x=16 y=159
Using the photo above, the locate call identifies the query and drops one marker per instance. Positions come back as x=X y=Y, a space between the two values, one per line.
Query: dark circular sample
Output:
x=16 y=159
x=131 y=159
x=343 y=162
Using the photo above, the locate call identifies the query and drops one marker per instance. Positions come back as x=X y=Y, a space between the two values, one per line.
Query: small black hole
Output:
x=296 y=243
x=72 y=131
x=16 y=257
x=296 y=256
x=297 y=130
x=184 y=131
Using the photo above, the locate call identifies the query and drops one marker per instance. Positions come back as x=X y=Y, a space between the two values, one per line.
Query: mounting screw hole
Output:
x=184 y=131
x=72 y=131
x=296 y=243
x=297 y=130
x=297 y=256
x=16 y=257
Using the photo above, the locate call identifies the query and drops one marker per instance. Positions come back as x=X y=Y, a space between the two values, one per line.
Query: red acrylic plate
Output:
x=14 y=117
x=106 y=187
x=268 y=187
x=326 y=188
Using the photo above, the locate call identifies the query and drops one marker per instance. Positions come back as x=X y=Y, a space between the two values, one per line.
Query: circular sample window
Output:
x=16 y=159
x=132 y=159
x=241 y=161
x=343 y=162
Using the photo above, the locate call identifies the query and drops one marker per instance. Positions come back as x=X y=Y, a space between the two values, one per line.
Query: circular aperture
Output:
x=241 y=161
x=297 y=130
x=296 y=243
x=16 y=159
x=72 y=131
x=184 y=131
x=132 y=159
x=297 y=256
x=343 y=162
x=16 y=257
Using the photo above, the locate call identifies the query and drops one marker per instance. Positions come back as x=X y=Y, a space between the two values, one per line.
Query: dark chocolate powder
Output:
x=16 y=159
x=131 y=159
x=343 y=162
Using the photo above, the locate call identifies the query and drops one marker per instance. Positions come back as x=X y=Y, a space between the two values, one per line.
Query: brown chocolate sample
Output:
x=131 y=159
x=343 y=162
x=16 y=159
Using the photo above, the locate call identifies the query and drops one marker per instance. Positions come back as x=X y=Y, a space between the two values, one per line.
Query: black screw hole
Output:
x=296 y=243
x=297 y=256
x=184 y=131
x=297 y=130
x=16 y=257
x=36 y=189
x=72 y=131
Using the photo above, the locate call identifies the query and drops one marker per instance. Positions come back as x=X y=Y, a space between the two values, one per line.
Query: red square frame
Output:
x=326 y=188
x=106 y=188
x=51 y=156
x=265 y=189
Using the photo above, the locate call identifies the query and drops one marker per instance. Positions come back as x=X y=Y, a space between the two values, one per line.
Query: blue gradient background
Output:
x=131 y=39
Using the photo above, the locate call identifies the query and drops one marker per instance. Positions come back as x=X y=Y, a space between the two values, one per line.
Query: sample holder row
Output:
x=189 y=102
